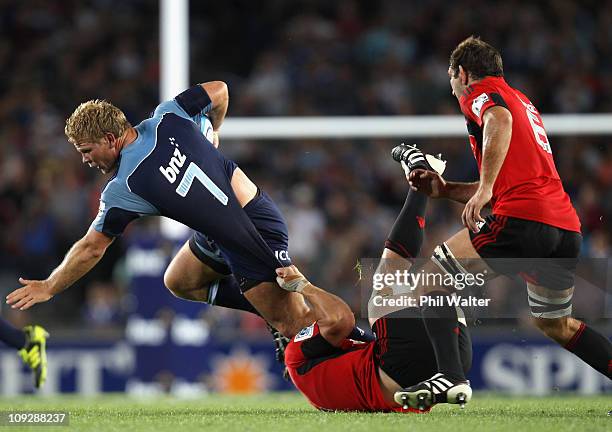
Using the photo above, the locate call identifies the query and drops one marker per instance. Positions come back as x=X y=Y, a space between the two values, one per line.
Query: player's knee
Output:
x=551 y=327
x=171 y=282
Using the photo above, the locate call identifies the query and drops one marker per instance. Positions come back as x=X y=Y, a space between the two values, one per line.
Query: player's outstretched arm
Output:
x=434 y=185
x=333 y=315
x=219 y=96
x=81 y=258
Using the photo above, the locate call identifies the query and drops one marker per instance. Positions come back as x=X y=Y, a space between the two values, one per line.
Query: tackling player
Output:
x=336 y=373
x=31 y=345
x=532 y=217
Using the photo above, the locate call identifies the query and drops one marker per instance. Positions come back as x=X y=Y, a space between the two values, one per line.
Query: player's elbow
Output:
x=217 y=92
x=94 y=246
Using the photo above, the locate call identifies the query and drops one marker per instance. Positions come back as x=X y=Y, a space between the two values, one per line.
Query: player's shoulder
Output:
x=308 y=343
x=294 y=356
x=481 y=95
x=170 y=106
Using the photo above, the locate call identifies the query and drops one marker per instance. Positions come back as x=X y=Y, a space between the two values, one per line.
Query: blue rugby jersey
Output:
x=173 y=170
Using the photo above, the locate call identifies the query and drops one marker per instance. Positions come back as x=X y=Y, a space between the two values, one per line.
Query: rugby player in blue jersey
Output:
x=169 y=165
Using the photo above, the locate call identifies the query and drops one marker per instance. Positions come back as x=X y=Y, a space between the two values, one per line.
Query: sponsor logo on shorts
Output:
x=282 y=255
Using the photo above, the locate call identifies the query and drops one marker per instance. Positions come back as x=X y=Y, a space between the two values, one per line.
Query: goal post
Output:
x=435 y=126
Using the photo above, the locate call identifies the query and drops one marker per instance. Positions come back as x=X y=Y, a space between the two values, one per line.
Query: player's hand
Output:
x=428 y=182
x=471 y=212
x=290 y=279
x=33 y=291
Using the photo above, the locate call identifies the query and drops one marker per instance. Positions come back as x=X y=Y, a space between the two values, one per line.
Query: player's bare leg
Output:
x=284 y=310
x=189 y=278
x=551 y=311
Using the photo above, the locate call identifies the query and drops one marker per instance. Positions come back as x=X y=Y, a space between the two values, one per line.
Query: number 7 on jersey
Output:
x=194 y=171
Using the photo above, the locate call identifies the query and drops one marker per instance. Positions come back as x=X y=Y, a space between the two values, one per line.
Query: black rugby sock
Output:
x=226 y=292
x=12 y=336
x=406 y=236
x=593 y=348
x=440 y=321
x=465 y=348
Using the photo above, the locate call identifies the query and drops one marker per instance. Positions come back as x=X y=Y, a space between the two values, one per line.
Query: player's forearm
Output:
x=497 y=134
x=79 y=260
x=459 y=191
x=327 y=308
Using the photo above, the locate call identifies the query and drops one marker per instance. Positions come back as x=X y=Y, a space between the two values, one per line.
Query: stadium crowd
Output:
x=283 y=58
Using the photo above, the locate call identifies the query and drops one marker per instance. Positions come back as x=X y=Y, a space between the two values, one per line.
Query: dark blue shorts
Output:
x=270 y=224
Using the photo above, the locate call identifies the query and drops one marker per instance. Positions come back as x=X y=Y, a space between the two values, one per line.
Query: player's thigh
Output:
x=186 y=272
x=390 y=262
x=244 y=189
x=460 y=245
x=287 y=311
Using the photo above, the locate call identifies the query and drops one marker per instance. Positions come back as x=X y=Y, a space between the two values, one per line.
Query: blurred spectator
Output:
x=102 y=305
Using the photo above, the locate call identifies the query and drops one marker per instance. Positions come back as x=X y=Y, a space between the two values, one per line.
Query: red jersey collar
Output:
x=493 y=80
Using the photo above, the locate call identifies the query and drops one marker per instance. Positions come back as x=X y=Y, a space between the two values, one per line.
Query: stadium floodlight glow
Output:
x=174 y=71
x=394 y=126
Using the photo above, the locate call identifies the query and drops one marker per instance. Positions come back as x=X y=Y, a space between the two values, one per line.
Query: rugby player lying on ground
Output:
x=337 y=373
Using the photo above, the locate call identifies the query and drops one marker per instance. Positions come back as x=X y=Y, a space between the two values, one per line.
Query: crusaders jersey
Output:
x=528 y=185
x=341 y=378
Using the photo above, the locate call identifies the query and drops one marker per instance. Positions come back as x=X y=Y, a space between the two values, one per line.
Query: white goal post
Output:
x=438 y=126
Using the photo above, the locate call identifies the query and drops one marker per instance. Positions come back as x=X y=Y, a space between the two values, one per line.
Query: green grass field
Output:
x=289 y=412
